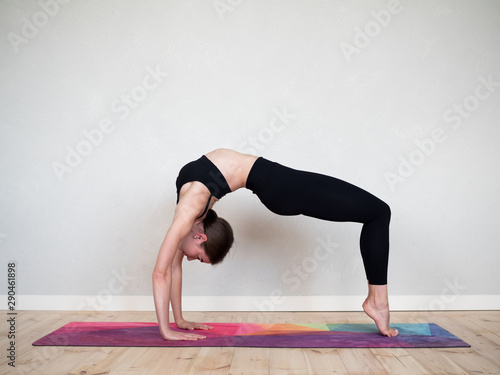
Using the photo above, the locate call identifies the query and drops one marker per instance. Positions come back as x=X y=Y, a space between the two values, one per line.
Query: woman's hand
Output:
x=184 y=324
x=175 y=336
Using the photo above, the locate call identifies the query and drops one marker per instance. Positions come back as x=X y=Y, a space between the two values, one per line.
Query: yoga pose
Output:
x=198 y=233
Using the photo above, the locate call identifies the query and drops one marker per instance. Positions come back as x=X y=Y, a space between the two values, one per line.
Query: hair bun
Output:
x=220 y=237
x=210 y=218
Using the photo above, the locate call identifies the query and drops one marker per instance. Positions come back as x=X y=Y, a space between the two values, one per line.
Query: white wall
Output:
x=101 y=103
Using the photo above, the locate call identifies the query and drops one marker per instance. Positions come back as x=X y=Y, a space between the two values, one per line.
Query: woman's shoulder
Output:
x=193 y=198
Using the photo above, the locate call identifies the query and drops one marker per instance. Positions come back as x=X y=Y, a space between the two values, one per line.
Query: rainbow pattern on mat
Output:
x=420 y=335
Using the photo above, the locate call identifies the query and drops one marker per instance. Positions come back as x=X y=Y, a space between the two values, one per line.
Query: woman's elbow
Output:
x=160 y=275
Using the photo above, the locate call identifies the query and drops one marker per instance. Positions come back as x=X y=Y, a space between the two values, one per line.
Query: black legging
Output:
x=287 y=191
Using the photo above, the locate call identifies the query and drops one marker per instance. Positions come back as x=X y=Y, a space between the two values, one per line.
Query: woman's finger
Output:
x=203 y=326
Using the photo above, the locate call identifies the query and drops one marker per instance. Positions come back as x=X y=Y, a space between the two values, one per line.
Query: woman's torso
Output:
x=234 y=166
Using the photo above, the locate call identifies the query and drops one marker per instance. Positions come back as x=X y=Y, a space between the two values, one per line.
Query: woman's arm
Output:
x=162 y=275
x=176 y=297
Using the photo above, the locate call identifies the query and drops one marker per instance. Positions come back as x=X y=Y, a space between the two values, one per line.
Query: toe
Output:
x=394 y=332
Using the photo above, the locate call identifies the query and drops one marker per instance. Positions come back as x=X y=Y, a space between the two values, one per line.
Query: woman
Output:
x=197 y=233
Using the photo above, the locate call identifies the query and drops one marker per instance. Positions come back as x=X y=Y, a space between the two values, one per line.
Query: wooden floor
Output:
x=480 y=329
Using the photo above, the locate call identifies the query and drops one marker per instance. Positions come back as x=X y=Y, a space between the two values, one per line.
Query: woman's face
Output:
x=192 y=247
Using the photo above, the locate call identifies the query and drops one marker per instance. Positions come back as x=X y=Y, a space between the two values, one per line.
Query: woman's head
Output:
x=219 y=237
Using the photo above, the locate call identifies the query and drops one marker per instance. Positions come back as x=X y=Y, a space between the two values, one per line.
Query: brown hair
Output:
x=219 y=237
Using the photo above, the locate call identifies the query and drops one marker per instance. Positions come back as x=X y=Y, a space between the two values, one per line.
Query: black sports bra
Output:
x=206 y=172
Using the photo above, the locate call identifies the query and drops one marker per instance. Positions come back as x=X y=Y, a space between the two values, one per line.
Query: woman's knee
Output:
x=385 y=211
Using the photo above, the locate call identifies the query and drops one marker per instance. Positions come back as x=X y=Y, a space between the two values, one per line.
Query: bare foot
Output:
x=380 y=314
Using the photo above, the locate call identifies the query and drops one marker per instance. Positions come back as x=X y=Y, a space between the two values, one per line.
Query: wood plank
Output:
x=468 y=359
x=287 y=361
x=122 y=362
x=399 y=361
x=486 y=359
x=487 y=325
x=361 y=361
x=213 y=360
x=253 y=361
x=479 y=358
x=436 y=362
x=153 y=361
x=87 y=365
x=472 y=362
x=324 y=361
x=489 y=342
x=66 y=361
x=184 y=361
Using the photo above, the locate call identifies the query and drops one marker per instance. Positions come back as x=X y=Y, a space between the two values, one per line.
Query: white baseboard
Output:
x=253 y=303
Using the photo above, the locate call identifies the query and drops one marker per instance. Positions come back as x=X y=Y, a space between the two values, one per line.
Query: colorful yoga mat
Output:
x=421 y=335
